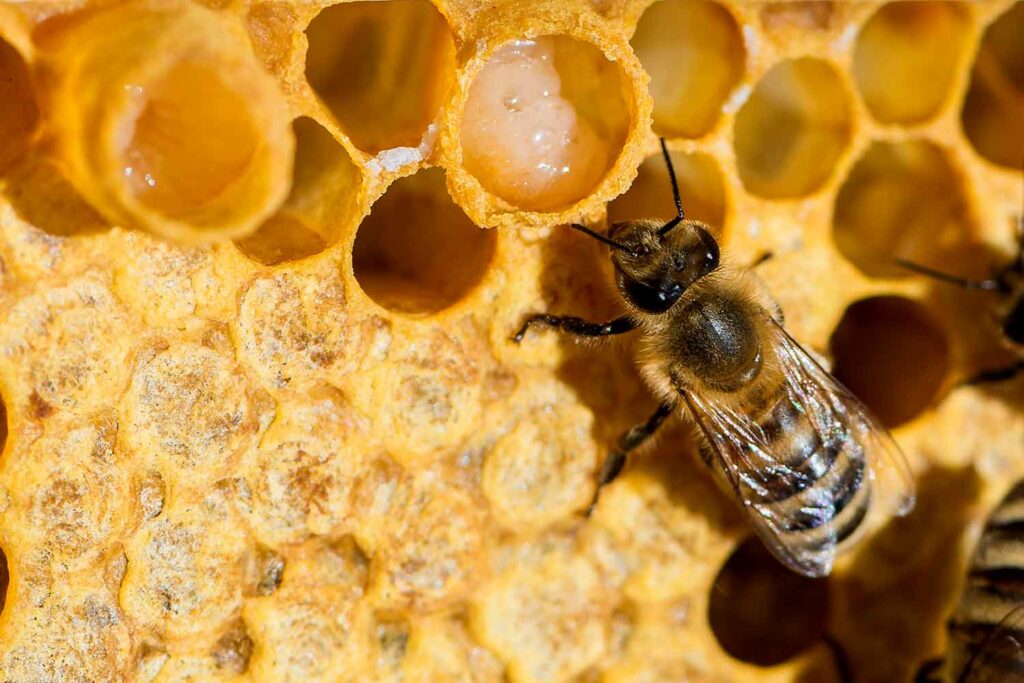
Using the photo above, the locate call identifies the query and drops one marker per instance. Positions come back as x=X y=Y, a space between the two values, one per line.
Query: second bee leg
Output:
x=576 y=326
x=616 y=460
x=998 y=374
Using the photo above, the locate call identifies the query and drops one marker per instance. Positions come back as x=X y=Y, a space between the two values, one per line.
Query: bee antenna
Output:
x=990 y=285
x=599 y=237
x=680 y=216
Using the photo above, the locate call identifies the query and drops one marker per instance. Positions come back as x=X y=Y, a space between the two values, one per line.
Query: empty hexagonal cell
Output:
x=18 y=112
x=901 y=200
x=650 y=196
x=793 y=129
x=763 y=613
x=893 y=354
x=994 y=107
x=694 y=52
x=383 y=69
x=323 y=200
x=905 y=59
x=544 y=121
x=417 y=252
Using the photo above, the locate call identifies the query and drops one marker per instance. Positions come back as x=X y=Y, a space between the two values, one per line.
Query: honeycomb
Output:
x=260 y=416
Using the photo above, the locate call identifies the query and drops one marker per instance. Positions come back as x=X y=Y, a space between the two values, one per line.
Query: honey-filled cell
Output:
x=322 y=202
x=694 y=53
x=382 y=68
x=545 y=120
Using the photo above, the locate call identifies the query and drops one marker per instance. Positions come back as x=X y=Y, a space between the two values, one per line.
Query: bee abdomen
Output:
x=994 y=588
x=818 y=490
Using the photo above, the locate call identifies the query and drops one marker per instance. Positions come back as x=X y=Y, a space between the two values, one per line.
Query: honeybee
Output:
x=1008 y=283
x=804 y=457
x=986 y=633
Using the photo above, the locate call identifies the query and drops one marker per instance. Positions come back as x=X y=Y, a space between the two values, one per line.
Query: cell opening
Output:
x=763 y=613
x=994 y=105
x=3 y=425
x=322 y=203
x=382 y=68
x=906 y=57
x=18 y=111
x=192 y=141
x=793 y=129
x=417 y=252
x=893 y=354
x=650 y=195
x=901 y=200
x=694 y=53
x=545 y=120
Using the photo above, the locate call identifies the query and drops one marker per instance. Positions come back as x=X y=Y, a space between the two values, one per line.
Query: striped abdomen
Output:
x=812 y=481
x=994 y=588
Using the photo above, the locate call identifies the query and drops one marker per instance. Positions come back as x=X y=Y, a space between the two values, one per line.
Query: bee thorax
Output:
x=716 y=339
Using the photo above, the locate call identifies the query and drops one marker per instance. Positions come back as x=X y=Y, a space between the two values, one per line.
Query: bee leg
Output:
x=616 y=460
x=576 y=326
x=839 y=658
x=997 y=374
x=930 y=671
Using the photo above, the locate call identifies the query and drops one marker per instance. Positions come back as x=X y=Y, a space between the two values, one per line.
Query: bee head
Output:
x=654 y=266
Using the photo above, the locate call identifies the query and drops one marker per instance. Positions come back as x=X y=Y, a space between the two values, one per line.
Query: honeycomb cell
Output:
x=431 y=557
x=893 y=354
x=695 y=56
x=763 y=613
x=189 y=135
x=545 y=622
x=3 y=424
x=544 y=468
x=18 y=111
x=70 y=494
x=901 y=200
x=323 y=201
x=417 y=253
x=650 y=196
x=303 y=481
x=545 y=120
x=383 y=69
x=186 y=573
x=76 y=633
x=191 y=411
x=906 y=57
x=293 y=326
x=793 y=129
x=312 y=627
x=440 y=649
x=87 y=372
x=994 y=106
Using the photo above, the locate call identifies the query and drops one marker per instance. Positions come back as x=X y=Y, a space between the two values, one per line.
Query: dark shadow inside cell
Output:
x=5 y=580
x=892 y=603
x=763 y=613
x=416 y=252
x=893 y=354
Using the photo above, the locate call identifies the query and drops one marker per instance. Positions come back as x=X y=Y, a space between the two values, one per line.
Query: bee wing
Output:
x=754 y=467
x=1000 y=657
x=889 y=468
